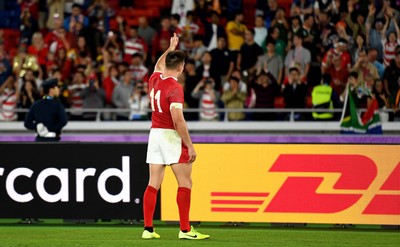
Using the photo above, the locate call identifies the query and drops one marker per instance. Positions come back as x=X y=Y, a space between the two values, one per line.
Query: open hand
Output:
x=192 y=154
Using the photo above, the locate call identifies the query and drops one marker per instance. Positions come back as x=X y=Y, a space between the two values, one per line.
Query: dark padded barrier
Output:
x=73 y=180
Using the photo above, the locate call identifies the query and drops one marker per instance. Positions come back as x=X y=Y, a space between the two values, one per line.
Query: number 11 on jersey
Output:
x=157 y=98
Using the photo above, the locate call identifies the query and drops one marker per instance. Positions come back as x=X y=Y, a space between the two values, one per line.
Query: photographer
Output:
x=204 y=91
x=139 y=102
x=93 y=97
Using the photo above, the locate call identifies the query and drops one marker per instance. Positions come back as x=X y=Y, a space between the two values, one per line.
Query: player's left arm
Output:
x=160 y=65
x=176 y=100
x=182 y=129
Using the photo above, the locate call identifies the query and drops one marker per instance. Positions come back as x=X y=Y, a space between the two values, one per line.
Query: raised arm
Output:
x=120 y=22
x=160 y=65
x=396 y=26
x=349 y=21
x=369 y=22
x=385 y=27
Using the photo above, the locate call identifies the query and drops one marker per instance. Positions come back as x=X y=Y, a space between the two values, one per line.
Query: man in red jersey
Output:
x=169 y=142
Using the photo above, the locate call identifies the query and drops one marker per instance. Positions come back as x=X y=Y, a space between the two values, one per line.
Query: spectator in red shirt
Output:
x=58 y=38
x=340 y=49
x=32 y=6
x=110 y=82
x=339 y=75
x=51 y=64
x=63 y=63
x=38 y=49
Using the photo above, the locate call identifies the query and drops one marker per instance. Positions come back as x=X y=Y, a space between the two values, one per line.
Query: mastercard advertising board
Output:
x=296 y=183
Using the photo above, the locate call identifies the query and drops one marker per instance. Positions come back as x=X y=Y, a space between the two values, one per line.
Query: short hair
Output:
x=294 y=68
x=56 y=70
x=296 y=17
x=260 y=16
x=251 y=30
x=298 y=35
x=363 y=37
x=197 y=37
x=125 y=72
x=76 y=5
x=190 y=61
x=213 y=12
x=176 y=17
x=271 y=30
x=380 y=19
x=307 y=16
x=270 y=41
x=165 y=17
x=234 y=78
x=137 y=54
x=325 y=13
x=237 y=13
x=371 y=49
x=174 y=59
x=353 y=74
x=81 y=73
x=190 y=13
x=362 y=50
x=125 y=64
x=81 y=68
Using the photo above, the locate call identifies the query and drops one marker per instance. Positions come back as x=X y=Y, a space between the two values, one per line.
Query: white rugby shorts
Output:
x=165 y=147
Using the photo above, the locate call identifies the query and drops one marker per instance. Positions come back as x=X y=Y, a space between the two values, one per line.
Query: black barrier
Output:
x=73 y=180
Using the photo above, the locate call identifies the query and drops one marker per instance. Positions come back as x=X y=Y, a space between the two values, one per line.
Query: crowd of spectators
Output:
x=272 y=63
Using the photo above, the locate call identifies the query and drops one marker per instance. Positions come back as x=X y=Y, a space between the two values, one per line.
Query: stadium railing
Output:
x=288 y=125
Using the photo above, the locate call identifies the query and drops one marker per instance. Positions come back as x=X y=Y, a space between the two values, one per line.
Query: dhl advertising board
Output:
x=317 y=183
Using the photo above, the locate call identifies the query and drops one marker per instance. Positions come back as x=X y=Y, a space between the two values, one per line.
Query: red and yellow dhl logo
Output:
x=219 y=204
x=326 y=183
x=298 y=193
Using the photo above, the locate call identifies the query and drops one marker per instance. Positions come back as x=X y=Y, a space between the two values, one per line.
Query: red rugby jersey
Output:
x=163 y=92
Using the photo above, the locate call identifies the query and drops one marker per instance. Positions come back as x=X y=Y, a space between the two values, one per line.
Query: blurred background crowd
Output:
x=240 y=54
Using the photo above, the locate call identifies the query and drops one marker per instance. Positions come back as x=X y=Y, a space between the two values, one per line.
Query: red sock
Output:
x=149 y=205
x=183 y=200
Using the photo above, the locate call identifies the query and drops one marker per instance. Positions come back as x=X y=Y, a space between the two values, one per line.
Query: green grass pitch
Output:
x=127 y=235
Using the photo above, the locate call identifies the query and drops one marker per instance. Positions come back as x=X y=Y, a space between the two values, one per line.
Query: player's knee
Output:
x=155 y=184
x=187 y=183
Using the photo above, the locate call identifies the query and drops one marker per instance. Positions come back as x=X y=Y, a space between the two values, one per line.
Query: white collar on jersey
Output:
x=161 y=76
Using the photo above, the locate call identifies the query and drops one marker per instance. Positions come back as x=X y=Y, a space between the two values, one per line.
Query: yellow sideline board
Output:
x=303 y=183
